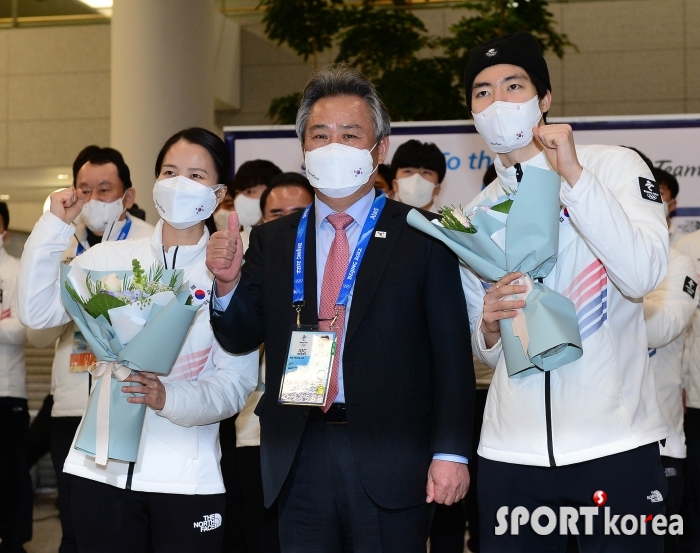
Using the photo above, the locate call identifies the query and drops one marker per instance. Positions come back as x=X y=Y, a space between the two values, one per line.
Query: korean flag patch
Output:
x=690 y=286
x=650 y=190
x=200 y=294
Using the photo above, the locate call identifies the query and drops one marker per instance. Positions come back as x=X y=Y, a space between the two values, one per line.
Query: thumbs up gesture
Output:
x=225 y=256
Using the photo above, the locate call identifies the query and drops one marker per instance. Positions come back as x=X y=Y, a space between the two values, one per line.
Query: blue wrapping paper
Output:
x=531 y=246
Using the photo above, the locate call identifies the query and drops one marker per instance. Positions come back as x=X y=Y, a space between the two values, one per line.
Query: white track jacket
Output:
x=668 y=311
x=13 y=377
x=613 y=250
x=690 y=245
x=179 y=450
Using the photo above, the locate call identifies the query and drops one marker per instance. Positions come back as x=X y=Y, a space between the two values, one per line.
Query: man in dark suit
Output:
x=359 y=474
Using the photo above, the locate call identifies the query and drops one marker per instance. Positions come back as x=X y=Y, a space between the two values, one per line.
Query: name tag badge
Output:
x=81 y=357
x=308 y=368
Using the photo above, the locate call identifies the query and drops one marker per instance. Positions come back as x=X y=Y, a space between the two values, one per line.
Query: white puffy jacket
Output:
x=71 y=389
x=179 y=449
x=690 y=245
x=613 y=250
x=13 y=378
x=668 y=311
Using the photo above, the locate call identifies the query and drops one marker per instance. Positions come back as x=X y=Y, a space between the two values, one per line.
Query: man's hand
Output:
x=497 y=308
x=448 y=482
x=67 y=204
x=151 y=387
x=225 y=256
x=558 y=144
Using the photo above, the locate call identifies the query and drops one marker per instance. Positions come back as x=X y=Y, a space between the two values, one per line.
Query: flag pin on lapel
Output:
x=380 y=234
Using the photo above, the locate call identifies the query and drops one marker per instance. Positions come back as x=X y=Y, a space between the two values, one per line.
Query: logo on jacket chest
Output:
x=200 y=294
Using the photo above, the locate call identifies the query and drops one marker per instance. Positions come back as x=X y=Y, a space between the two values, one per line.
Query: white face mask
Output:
x=183 y=202
x=221 y=219
x=666 y=209
x=338 y=170
x=248 y=209
x=507 y=126
x=97 y=215
x=415 y=190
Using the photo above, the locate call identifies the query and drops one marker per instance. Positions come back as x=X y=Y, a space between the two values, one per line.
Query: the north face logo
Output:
x=210 y=522
x=491 y=53
x=655 y=497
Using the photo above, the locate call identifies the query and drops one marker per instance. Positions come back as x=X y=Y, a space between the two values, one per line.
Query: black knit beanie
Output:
x=519 y=49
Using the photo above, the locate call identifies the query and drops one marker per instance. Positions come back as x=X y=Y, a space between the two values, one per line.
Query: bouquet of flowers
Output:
x=518 y=232
x=133 y=321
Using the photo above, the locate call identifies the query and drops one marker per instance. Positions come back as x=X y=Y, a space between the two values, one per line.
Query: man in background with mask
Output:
x=393 y=432
x=105 y=180
x=668 y=186
x=248 y=184
x=419 y=168
x=587 y=433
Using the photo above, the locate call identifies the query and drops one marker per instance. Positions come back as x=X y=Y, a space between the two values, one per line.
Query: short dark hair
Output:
x=490 y=175
x=664 y=177
x=255 y=172
x=101 y=156
x=5 y=215
x=286 y=179
x=211 y=143
x=419 y=154
x=385 y=171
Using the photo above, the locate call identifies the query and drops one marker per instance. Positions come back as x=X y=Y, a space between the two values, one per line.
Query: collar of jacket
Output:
x=186 y=255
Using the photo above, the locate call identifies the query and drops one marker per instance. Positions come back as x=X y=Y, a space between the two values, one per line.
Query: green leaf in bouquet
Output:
x=140 y=278
x=449 y=221
x=156 y=272
x=503 y=207
x=73 y=294
x=101 y=304
x=173 y=280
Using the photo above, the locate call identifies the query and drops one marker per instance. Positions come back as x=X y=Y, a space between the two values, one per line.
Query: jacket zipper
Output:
x=548 y=418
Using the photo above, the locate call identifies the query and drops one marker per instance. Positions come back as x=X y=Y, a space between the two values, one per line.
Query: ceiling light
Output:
x=98 y=3
x=4 y=196
x=63 y=176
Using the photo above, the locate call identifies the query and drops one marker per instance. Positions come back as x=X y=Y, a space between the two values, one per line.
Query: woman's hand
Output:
x=151 y=387
x=497 y=308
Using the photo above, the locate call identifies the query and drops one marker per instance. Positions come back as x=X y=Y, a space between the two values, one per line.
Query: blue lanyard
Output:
x=355 y=259
x=122 y=235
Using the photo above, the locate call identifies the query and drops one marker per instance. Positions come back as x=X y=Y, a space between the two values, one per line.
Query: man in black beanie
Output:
x=573 y=450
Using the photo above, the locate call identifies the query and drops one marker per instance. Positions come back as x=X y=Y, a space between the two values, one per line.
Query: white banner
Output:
x=671 y=141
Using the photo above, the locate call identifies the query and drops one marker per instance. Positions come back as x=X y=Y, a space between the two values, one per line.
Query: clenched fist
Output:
x=559 y=147
x=225 y=256
x=67 y=204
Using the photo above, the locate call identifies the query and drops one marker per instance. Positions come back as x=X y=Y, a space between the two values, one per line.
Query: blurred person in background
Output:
x=668 y=186
x=104 y=179
x=15 y=483
x=385 y=179
x=419 y=169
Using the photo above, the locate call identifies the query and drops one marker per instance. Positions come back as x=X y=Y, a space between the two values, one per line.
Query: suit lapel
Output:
x=374 y=263
x=309 y=313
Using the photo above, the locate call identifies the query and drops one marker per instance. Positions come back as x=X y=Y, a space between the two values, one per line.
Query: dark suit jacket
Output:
x=407 y=363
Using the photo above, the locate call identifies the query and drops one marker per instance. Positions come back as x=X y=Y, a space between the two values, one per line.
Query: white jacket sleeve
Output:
x=38 y=295
x=474 y=293
x=12 y=332
x=217 y=397
x=627 y=233
x=669 y=309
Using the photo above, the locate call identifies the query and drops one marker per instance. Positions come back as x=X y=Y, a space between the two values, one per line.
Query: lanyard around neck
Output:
x=122 y=236
x=353 y=265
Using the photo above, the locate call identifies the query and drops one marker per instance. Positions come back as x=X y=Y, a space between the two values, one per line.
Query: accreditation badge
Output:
x=81 y=356
x=308 y=368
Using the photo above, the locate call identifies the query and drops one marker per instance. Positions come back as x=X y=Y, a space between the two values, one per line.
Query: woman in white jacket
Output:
x=172 y=497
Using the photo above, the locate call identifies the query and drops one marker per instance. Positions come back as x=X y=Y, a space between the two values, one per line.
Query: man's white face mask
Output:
x=338 y=170
x=248 y=209
x=507 y=126
x=415 y=190
x=97 y=215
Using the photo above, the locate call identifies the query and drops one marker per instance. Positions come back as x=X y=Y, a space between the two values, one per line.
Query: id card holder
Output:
x=81 y=357
x=307 y=371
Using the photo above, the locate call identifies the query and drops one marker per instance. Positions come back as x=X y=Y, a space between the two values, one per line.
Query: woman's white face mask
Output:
x=183 y=202
x=507 y=126
x=338 y=170
x=97 y=215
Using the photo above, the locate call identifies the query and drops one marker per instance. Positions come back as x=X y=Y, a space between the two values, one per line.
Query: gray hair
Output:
x=341 y=80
